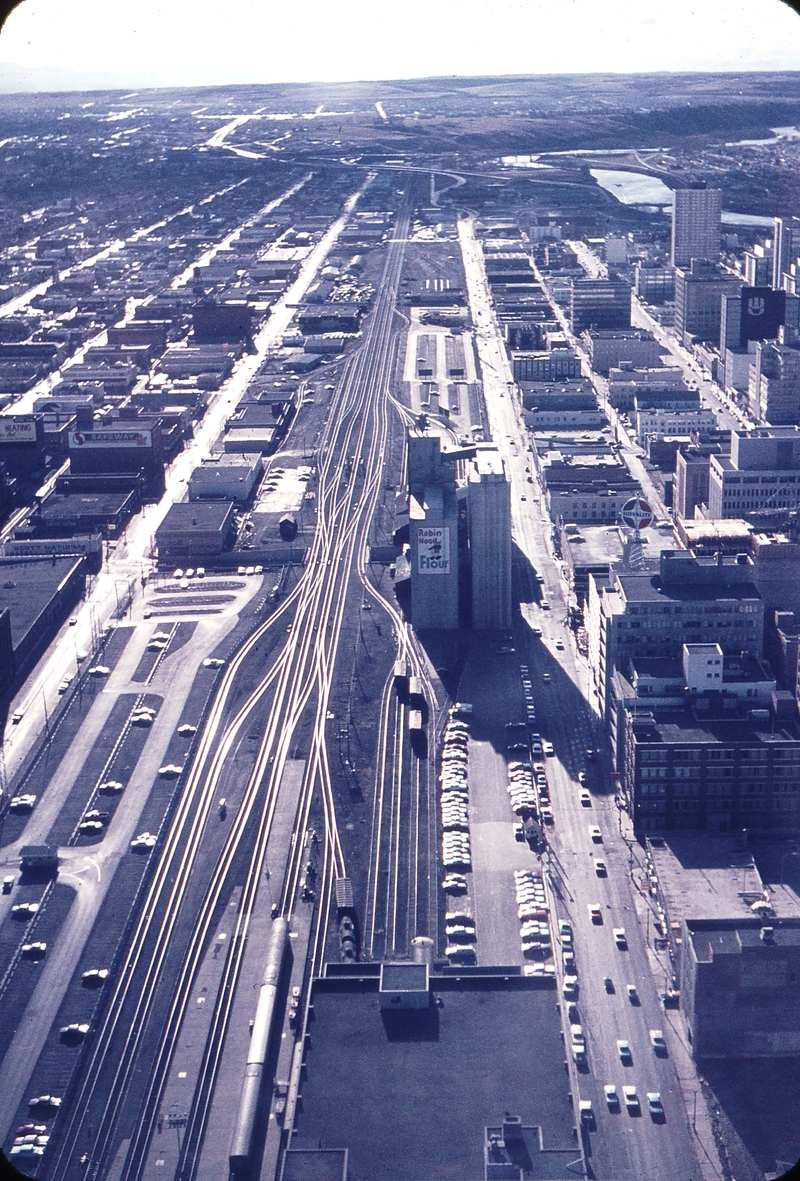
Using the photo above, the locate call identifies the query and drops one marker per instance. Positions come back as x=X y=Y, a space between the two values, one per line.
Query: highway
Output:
x=622 y=1147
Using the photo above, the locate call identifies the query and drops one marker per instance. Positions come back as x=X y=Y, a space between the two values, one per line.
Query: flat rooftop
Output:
x=26 y=588
x=704 y=879
x=682 y=726
x=411 y=1109
x=646 y=588
x=709 y=941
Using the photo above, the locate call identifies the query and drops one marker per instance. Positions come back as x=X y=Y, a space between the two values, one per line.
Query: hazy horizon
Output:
x=91 y=44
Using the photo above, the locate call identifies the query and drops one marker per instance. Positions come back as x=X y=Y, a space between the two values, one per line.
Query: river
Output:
x=637 y=188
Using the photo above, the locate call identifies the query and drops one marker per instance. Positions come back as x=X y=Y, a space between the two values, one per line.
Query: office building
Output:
x=718 y=762
x=663 y=387
x=785 y=249
x=584 y=488
x=599 y=304
x=655 y=285
x=615 y=250
x=739 y=994
x=761 y=472
x=699 y=289
x=691 y=479
x=655 y=420
x=696 y=225
x=709 y=600
x=610 y=349
x=545 y=366
x=489 y=517
x=777 y=561
x=758 y=266
x=755 y=313
x=773 y=388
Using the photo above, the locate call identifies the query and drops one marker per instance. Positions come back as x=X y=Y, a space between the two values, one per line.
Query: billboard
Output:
x=109 y=438
x=636 y=513
x=14 y=429
x=433 y=549
x=763 y=312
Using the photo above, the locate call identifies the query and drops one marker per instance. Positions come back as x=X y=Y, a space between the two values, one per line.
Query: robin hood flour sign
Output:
x=433 y=550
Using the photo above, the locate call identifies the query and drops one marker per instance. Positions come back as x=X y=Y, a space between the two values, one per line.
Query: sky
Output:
x=210 y=42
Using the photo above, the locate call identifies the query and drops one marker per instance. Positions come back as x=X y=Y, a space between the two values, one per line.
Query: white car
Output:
x=25 y=910
x=548 y=748
x=595 y=834
x=657 y=1041
x=99 y=670
x=44 y=1101
x=170 y=771
x=111 y=787
x=78 y=1029
x=33 y=951
x=595 y=914
x=586 y=799
x=213 y=662
x=654 y=1105
x=186 y=730
x=631 y=1099
x=22 y=803
x=90 y=826
x=620 y=937
x=144 y=841
x=600 y=867
x=94 y=977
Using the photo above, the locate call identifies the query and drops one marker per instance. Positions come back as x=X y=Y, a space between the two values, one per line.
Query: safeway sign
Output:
x=433 y=550
x=636 y=513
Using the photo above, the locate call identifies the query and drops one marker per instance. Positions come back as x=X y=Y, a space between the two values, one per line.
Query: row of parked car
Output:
x=454 y=781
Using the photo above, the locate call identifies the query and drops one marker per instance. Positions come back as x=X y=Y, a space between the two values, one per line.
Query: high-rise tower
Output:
x=696 y=225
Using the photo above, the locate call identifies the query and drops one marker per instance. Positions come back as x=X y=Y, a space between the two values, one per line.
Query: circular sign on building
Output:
x=636 y=513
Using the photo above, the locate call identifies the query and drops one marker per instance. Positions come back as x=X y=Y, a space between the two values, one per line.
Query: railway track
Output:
x=299 y=679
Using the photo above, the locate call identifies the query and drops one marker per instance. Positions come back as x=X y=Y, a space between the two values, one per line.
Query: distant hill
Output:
x=16 y=79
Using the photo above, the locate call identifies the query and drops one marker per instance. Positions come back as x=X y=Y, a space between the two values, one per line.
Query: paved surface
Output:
x=92 y=870
x=622 y=1148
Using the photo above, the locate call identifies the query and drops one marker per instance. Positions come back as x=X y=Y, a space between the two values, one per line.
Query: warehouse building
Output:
x=36 y=595
x=195 y=533
x=229 y=476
